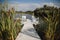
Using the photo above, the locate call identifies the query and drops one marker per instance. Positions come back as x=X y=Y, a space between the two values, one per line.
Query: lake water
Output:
x=28 y=16
x=24 y=17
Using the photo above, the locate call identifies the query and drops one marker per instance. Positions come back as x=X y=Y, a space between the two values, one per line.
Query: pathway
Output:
x=28 y=32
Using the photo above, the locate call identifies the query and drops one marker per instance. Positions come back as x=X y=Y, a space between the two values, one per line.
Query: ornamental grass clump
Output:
x=9 y=28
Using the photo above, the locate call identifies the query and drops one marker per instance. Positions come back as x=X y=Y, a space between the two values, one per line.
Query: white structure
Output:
x=35 y=20
x=23 y=18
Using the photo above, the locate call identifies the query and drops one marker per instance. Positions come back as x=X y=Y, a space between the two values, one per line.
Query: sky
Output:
x=30 y=5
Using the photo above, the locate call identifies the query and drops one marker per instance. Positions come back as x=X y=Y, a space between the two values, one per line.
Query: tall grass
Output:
x=9 y=28
x=50 y=15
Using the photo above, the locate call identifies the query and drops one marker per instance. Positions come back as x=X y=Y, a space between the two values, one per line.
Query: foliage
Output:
x=9 y=28
x=50 y=15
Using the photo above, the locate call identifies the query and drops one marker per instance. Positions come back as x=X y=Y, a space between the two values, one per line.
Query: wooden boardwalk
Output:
x=28 y=32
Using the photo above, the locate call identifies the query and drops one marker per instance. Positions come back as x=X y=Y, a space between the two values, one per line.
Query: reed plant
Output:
x=9 y=28
x=50 y=15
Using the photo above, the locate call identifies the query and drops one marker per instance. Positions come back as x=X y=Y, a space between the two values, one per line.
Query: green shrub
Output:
x=50 y=15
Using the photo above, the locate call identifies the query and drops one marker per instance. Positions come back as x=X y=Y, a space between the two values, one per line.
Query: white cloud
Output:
x=24 y=6
x=28 y=6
